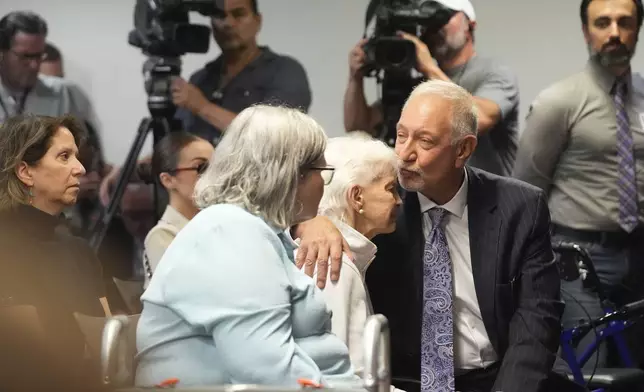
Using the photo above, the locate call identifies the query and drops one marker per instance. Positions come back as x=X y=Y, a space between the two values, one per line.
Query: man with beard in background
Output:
x=450 y=55
x=584 y=146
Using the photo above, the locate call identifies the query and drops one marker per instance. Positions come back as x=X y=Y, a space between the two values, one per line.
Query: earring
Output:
x=361 y=211
x=31 y=195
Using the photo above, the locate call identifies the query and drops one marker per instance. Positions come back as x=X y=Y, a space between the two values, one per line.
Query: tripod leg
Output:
x=160 y=128
x=100 y=228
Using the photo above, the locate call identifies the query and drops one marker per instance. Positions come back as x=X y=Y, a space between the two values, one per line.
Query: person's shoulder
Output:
x=77 y=246
x=562 y=91
x=490 y=65
x=349 y=266
x=507 y=186
x=55 y=85
x=64 y=235
x=160 y=230
x=349 y=273
x=489 y=62
x=280 y=61
x=230 y=219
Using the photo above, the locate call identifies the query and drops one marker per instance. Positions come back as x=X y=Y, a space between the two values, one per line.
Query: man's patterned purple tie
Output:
x=437 y=349
x=627 y=185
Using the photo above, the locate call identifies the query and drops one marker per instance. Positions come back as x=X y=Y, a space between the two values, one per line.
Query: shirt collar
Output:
x=455 y=206
x=42 y=87
x=174 y=217
x=604 y=78
x=364 y=251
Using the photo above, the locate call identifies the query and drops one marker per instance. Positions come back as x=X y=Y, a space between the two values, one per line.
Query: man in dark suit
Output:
x=468 y=280
x=502 y=293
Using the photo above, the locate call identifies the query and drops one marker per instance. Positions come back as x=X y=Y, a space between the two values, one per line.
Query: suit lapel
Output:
x=413 y=225
x=485 y=228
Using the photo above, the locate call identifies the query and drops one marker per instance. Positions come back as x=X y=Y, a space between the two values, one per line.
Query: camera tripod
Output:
x=159 y=127
x=158 y=72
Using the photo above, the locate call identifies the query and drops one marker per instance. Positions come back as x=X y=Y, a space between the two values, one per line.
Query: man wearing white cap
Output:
x=450 y=55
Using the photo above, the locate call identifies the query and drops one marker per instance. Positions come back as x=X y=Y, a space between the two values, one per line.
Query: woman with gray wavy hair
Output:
x=227 y=305
x=362 y=200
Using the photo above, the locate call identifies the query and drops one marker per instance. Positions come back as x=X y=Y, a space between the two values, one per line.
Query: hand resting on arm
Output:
x=319 y=240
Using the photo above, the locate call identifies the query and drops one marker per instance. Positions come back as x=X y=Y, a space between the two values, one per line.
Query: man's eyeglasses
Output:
x=328 y=176
x=26 y=57
x=200 y=168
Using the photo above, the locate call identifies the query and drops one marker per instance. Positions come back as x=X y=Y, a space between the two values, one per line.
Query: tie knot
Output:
x=437 y=215
x=620 y=87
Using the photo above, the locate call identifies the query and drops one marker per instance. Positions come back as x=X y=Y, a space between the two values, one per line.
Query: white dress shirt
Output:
x=472 y=346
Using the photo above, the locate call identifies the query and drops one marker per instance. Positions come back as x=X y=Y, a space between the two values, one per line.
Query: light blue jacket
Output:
x=227 y=305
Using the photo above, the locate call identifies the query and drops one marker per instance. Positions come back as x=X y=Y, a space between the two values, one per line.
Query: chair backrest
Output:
x=118 y=351
x=92 y=329
x=377 y=369
x=131 y=291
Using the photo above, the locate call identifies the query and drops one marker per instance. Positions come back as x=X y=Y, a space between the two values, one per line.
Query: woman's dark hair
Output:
x=27 y=138
x=583 y=11
x=166 y=152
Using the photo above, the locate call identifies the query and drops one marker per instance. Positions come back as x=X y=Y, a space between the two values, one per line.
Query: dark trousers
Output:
x=620 y=268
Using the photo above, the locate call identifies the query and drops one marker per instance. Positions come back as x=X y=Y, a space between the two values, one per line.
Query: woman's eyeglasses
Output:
x=200 y=168
x=328 y=176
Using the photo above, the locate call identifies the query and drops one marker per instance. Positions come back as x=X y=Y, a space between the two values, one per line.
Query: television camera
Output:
x=163 y=32
x=391 y=59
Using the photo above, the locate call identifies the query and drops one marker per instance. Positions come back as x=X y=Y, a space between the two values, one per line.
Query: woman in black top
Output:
x=41 y=263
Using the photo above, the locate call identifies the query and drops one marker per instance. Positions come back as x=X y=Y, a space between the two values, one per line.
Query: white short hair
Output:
x=464 y=112
x=259 y=160
x=357 y=161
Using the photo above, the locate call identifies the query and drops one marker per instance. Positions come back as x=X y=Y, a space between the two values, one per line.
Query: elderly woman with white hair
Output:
x=362 y=200
x=227 y=304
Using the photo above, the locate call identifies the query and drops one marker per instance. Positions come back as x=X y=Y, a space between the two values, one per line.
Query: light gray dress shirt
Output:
x=569 y=148
x=50 y=96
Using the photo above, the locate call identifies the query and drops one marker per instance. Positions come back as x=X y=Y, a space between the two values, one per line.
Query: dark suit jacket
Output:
x=516 y=278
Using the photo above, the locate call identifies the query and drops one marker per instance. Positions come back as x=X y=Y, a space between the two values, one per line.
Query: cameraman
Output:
x=245 y=74
x=450 y=55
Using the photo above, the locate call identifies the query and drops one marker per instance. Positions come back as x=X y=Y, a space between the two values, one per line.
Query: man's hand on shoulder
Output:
x=319 y=239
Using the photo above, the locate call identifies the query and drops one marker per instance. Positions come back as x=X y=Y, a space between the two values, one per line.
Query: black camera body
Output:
x=162 y=30
x=390 y=58
x=385 y=50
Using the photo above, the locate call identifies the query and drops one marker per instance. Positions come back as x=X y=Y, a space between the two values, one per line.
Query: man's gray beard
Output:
x=449 y=48
x=612 y=59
